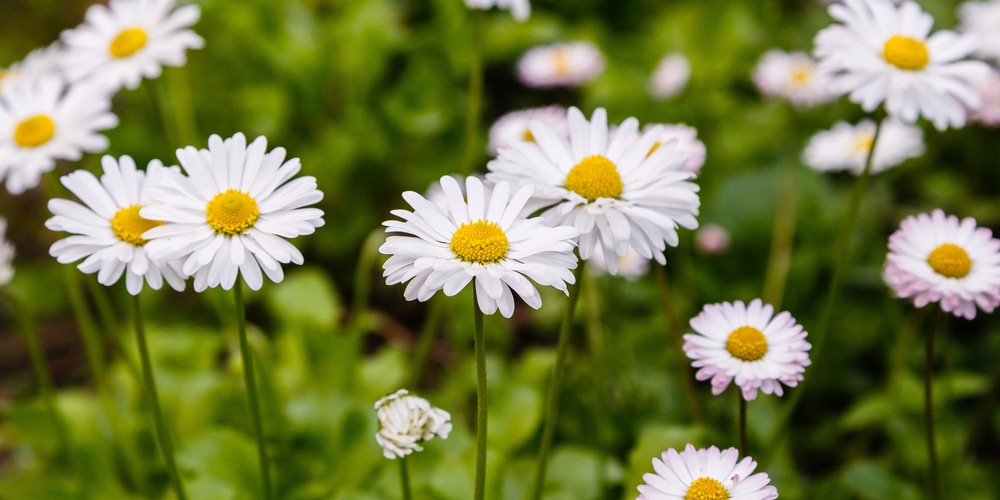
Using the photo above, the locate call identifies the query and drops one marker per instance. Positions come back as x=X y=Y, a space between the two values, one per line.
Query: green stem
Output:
x=161 y=110
x=781 y=239
x=744 y=443
x=681 y=359
x=253 y=398
x=149 y=380
x=474 y=110
x=363 y=275
x=479 y=336
x=109 y=326
x=929 y=413
x=558 y=371
x=404 y=479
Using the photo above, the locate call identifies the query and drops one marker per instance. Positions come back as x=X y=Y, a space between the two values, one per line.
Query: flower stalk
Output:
x=253 y=397
x=479 y=338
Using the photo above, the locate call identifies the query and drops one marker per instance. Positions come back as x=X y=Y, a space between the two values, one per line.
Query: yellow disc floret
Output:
x=35 y=131
x=906 y=53
x=595 y=177
x=706 y=488
x=482 y=242
x=747 y=343
x=129 y=226
x=232 y=212
x=528 y=136
x=863 y=143
x=128 y=42
x=950 y=260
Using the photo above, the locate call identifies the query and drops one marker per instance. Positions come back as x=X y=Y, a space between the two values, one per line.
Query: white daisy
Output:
x=129 y=40
x=982 y=19
x=687 y=143
x=232 y=211
x=560 y=65
x=617 y=192
x=705 y=474
x=6 y=255
x=712 y=239
x=792 y=76
x=744 y=342
x=107 y=228
x=42 y=121
x=478 y=237
x=937 y=258
x=38 y=63
x=513 y=127
x=846 y=146
x=631 y=266
x=882 y=53
x=670 y=76
x=989 y=92
x=519 y=9
x=405 y=421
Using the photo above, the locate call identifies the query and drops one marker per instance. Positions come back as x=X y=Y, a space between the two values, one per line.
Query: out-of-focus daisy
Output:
x=748 y=344
x=982 y=19
x=107 y=228
x=882 y=53
x=6 y=255
x=513 y=127
x=631 y=266
x=792 y=76
x=519 y=9
x=38 y=63
x=670 y=76
x=937 y=258
x=989 y=113
x=687 y=143
x=846 y=146
x=232 y=212
x=711 y=239
x=560 y=65
x=41 y=121
x=481 y=238
x=120 y=44
x=405 y=421
x=620 y=193
x=705 y=474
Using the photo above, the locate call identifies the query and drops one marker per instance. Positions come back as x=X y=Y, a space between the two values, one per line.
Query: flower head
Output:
x=749 y=344
x=670 y=76
x=846 y=146
x=513 y=127
x=792 y=76
x=937 y=258
x=712 y=239
x=405 y=421
x=129 y=40
x=989 y=92
x=560 y=65
x=981 y=19
x=631 y=266
x=520 y=10
x=619 y=192
x=42 y=120
x=687 y=143
x=108 y=230
x=478 y=237
x=232 y=212
x=883 y=53
x=38 y=63
x=705 y=474
x=6 y=255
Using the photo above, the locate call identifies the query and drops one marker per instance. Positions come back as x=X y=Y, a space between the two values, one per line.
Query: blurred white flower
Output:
x=513 y=127
x=687 y=143
x=982 y=19
x=6 y=255
x=712 y=239
x=405 y=421
x=38 y=63
x=670 y=76
x=631 y=266
x=792 y=76
x=560 y=65
x=705 y=474
x=520 y=10
x=846 y=146
x=989 y=92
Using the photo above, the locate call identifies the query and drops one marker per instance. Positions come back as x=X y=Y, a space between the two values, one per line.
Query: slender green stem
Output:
x=404 y=479
x=363 y=275
x=153 y=397
x=253 y=398
x=558 y=371
x=108 y=325
x=681 y=359
x=781 y=239
x=744 y=443
x=475 y=104
x=479 y=336
x=929 y=412
x=161 y=109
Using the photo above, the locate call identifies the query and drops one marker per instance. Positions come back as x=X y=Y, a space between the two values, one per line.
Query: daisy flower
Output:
x=670 y=76
x=882 y=53
x=107 y=228
x=6 y=255
x=520 y=10
x=405 y=421
x=749 y=344
x=513 y=127
x=792 y=76
x=481 y=238
x=989 y=92
x=711 y=239
x=128 y=40
x=631 y=266
x=560 y=65
x=687 y=143
x=937 y=258
x=38 y=63
x=982 y=19
x=41 y=121
x=708 y=474
x=846 y=146
x=232 y=212
x=620 y=193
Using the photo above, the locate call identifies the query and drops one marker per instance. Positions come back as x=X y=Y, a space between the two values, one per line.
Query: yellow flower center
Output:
x=561 y=61
x=595 y=177
x=747 y=343
x=127 y=42
x=950 y=260
x=528 y=136
x=801 y=74
x=482 y=242
x=34 y=131
x=656 y=145
x=706 y=488
x=232 y=212
x=906 y=53
x=863 y=143
x=129 y=226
